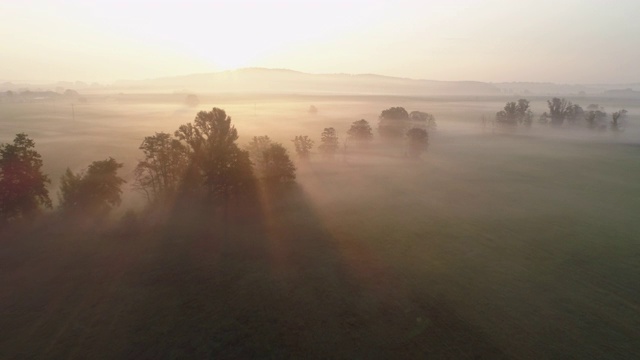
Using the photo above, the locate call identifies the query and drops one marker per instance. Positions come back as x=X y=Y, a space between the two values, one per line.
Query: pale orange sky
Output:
x=564 y=41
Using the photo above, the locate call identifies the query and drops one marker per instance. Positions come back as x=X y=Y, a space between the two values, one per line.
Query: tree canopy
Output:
x=360 y=131
x=278 y=167
x=256 y=149
x=393 y=122
x=515 y=113
x=329 y=142
x=303 y=146
x=22 y=184
x=93 y=192
x=558 y=110
x=223 y=168
x=423 y=120
x=160 y=173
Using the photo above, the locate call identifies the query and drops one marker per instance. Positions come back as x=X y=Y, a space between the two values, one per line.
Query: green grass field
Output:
x=491 y=246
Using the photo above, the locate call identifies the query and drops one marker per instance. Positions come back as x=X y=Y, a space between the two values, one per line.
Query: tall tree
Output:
x=596 y=119
x=524 y=115
x=360 y=132
x=223 y=167
x=393 y=123
x=23 y=186
x=159 y=175
x=93 y=192
x=256 y=149
x=303 y=146
x=558 y=110
x=615 y=119
x=278 y=166
x=329 y=142
x=509 y=115
x=574 y=112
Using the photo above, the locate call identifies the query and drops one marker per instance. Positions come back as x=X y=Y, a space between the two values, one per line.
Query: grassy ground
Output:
x=491 y=246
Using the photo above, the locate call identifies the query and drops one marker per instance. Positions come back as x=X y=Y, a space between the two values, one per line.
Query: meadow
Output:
x=521 y=245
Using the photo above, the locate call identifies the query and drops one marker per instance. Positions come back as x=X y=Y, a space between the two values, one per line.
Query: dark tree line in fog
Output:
x=561 y=113
x=200 y=160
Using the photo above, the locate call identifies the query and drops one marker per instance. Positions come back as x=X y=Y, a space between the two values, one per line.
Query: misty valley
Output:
x=237 y=225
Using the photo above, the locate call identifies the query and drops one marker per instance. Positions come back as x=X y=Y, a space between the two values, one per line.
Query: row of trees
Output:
x=204 y=156
x=561 y=112
x=394 y=123
x=200 y=158
x=23 y=186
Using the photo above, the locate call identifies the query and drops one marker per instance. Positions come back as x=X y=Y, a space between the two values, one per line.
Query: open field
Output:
x=492 y=246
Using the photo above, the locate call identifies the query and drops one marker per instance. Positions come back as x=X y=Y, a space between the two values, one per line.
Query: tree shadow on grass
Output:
x=267 y=281
x=271 y=282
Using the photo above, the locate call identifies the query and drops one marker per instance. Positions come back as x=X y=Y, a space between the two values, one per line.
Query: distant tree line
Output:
x=561 y=113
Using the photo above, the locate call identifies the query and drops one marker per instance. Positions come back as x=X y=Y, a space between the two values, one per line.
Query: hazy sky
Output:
x=567 y=41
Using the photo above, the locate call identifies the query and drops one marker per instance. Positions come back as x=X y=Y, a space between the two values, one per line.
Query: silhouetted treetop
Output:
x=303 y=146
x=558 y=110
x=393 y=123
x=256 y=149
x=615 y=119
x=161 y=172
x=216 y=161
x=394 y=113
x=360 y=131
x=329 y=142
x=22 y=184
x=93 y=192
x=278 y=167
x=574 y=112
x=515 y=113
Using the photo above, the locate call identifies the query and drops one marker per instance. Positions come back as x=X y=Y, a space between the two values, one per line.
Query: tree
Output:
x=217 y=162
x=278 y=166
x=71 y=93
x=93 y=192
x=418 y=142
x=615 y=119
x=303 y=146
x=515 y=113
x=574 y=112
x=509 y=115
x=423 y=119
x=360 y=131
x=329 y=142
x=524 y=115
x=159 y=175
x=22 y=184
x=256 y=149
x=558 y=110
x=393 y=122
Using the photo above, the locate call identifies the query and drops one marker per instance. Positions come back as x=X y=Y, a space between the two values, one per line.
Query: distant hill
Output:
x=261 y=80
x=284 y=81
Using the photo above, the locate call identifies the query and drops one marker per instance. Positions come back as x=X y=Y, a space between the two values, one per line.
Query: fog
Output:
x=492 y=241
